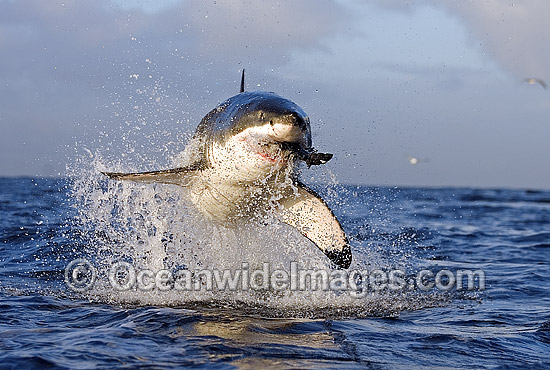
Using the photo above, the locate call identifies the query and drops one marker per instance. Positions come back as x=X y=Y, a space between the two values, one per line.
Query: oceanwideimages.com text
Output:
x=80 y=275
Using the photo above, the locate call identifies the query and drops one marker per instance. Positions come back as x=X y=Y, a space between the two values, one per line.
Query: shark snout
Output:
x=284 y=132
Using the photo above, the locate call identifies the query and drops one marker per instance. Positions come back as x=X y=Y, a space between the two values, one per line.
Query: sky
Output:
x=383 y=81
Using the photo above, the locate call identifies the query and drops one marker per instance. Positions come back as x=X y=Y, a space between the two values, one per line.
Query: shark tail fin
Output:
x=308 y=213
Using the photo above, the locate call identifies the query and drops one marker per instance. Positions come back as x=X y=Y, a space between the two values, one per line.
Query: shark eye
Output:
x=271 y=122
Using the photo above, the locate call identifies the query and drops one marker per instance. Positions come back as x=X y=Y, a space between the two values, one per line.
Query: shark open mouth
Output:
x=268 y=157
x=268 y=152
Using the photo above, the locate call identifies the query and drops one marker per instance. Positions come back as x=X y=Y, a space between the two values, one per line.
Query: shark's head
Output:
x=273 y=127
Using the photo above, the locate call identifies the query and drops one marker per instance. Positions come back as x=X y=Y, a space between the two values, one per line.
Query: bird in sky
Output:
x=536 y=81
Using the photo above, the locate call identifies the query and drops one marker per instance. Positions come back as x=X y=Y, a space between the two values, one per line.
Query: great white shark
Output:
x=244 y=157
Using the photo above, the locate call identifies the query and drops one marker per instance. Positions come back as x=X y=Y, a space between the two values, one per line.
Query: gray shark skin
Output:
x=244 y=154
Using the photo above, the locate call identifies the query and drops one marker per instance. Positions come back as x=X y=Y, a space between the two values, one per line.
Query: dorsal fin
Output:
x=242 y=82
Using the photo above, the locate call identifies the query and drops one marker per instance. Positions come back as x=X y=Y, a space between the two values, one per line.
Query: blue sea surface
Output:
x=506 y=324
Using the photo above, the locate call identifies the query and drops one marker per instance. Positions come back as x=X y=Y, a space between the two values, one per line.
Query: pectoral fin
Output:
x=176 y=176
x=308 y=213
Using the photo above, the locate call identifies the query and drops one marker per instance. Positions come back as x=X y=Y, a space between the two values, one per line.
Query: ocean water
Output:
x=51 y=316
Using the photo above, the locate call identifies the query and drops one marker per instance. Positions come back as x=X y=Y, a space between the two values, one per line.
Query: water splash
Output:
x=155 y=227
